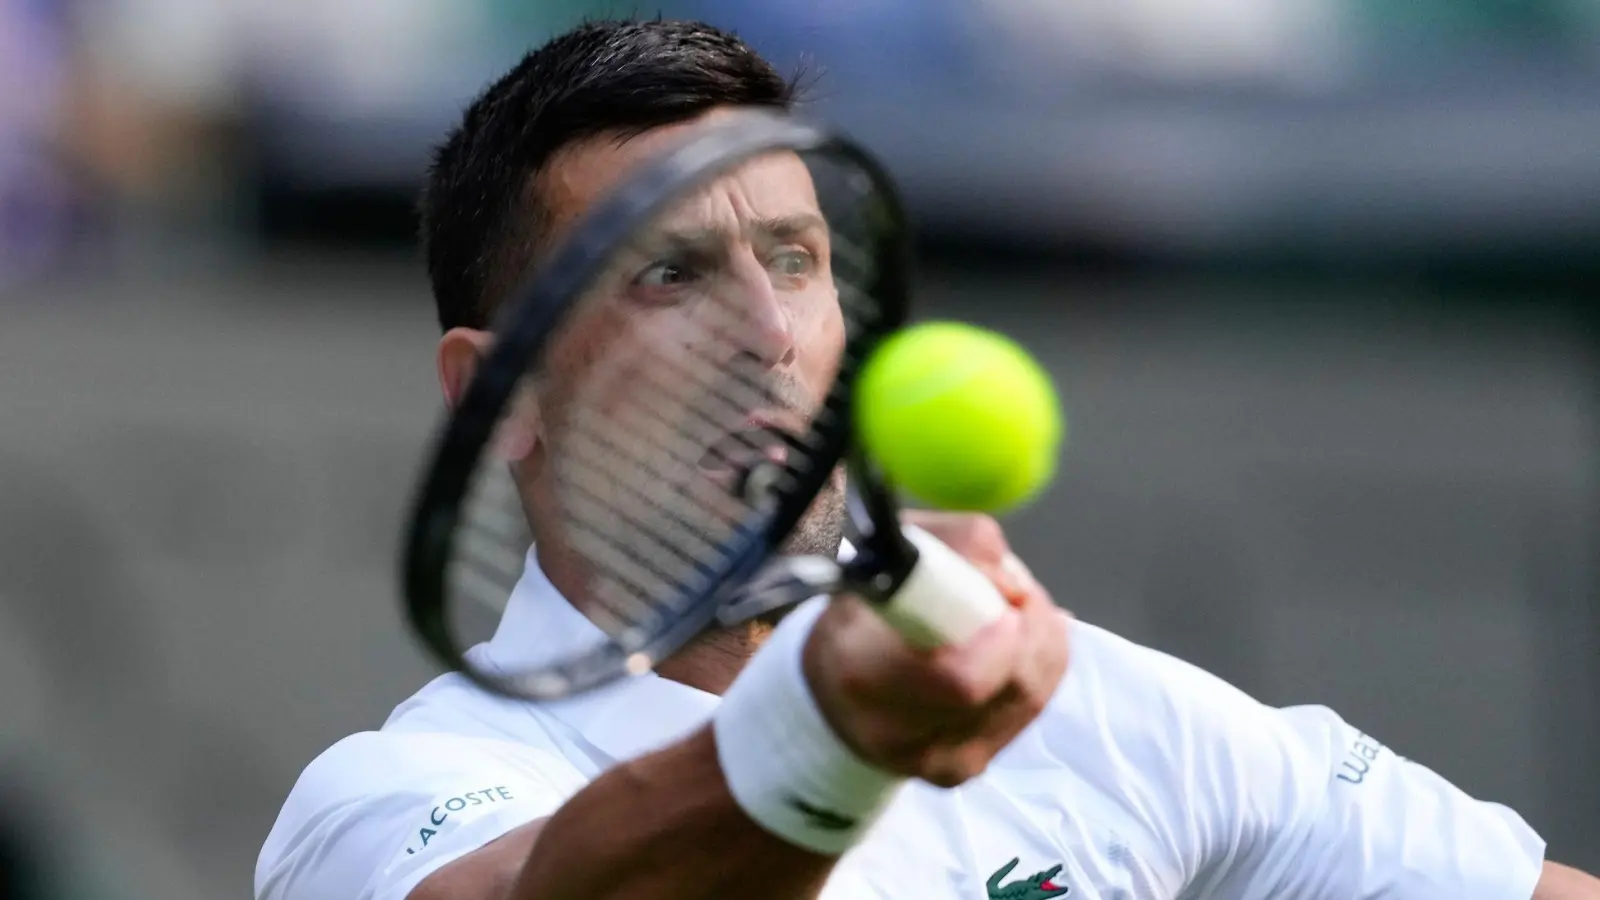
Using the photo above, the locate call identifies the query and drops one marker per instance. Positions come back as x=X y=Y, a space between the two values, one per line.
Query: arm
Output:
x=407 y=816
x=1251 y=802
x=1558 y=882
x=667 y=826
x=663 y=825
x=428 y=814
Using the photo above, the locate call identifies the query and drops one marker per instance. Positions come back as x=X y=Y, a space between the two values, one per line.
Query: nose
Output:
x=766 y=333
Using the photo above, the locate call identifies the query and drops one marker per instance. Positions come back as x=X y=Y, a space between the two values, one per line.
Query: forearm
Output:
x=1560 y=882
x=664 y=826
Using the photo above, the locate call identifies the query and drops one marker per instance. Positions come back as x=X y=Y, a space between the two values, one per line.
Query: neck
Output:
x=711 y=662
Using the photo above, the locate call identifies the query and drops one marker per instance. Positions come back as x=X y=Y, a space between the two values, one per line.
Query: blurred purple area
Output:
x=36 y=193
x=931 y=45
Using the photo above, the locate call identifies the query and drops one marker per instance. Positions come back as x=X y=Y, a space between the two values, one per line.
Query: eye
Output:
x=664 y=274
x=795 y=263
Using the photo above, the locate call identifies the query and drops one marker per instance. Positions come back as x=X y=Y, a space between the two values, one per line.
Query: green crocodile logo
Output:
x=1034 y=887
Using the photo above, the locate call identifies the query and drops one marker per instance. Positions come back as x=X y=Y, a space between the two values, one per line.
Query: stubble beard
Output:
x=820 y=532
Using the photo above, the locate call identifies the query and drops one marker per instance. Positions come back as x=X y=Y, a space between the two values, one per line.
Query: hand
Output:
x=942 y=715
x=982 y=542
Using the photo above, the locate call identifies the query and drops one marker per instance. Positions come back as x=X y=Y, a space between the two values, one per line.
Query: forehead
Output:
x=772 y=186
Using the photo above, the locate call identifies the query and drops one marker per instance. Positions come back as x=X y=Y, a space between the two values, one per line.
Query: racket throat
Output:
x=784 y=582
x=883 y=560
x=884 y=557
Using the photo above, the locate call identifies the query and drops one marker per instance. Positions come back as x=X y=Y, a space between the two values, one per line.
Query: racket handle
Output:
x=945 y=599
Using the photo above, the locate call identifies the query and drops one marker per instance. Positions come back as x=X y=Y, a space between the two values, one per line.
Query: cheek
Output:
x=581 y=362
x=819 y=339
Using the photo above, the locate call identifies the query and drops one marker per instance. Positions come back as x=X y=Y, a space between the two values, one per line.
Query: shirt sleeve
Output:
x=378 y=812
x=1252 y=802
x=1340 y=815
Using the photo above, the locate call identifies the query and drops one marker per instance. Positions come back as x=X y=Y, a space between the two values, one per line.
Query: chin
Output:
x=761 y=626
x=820 y=532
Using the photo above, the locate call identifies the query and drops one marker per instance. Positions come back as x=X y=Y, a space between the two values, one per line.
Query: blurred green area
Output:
x=1568 y=26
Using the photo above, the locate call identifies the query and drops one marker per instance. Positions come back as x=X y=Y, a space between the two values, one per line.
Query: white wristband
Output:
x=784 y=766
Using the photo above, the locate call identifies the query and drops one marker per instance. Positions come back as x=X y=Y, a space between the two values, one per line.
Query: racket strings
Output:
x=491 y=544
x=635 y=493
x=640 y=506
x=496 y=522
x=668 y=531
x=634 y=489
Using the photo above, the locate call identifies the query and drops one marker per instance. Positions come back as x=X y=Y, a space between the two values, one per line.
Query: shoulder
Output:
x=1232 y=792
x=1125 y=693
x=376 y=812
x=371 y=761
x=1177 y=761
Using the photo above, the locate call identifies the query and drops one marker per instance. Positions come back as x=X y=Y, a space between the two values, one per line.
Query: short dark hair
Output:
x=479 y=215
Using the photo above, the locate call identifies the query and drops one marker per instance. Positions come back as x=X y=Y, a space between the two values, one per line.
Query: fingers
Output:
x=966 y=676
x=941 y=715
x=982 y=542
x=977 y=537
x=963 y=752
x=886 y=669
x=1014 y=580
x=971 y=674
x=1043 y=661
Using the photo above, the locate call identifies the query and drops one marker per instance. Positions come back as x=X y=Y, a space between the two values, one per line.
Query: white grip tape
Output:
x=945 y=600
x=783 y=764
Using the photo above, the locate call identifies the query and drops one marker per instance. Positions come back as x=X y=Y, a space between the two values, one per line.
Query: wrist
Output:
x=784 y=765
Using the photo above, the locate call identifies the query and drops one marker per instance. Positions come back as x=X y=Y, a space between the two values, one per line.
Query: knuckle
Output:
x=964 y=688
x=869 y=733
x=980 y=536
x=955 y=766
x=1032 y=702
x=854 y=683
x=971 y=534
x=1042 y=677
x=895 y=750
x=938 y=769
x=986 y=530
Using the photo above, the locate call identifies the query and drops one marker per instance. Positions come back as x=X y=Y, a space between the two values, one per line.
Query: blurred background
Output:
x=1317 y=278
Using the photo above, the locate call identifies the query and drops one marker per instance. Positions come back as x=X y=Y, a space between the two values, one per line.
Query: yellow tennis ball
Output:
x=959 y=418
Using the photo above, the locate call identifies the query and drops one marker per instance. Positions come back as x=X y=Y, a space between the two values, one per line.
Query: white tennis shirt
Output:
x=1145 y=778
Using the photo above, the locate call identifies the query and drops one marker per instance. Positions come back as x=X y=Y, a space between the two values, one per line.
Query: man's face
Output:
x=729 y=293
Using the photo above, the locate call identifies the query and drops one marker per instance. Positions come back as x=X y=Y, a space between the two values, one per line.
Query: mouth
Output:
x=762 y=439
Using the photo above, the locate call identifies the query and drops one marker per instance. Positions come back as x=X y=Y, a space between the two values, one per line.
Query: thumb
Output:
x=1014 y=579
x=974 y=672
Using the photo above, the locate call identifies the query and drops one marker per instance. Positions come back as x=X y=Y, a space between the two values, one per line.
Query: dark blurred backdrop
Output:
x=1316 y=278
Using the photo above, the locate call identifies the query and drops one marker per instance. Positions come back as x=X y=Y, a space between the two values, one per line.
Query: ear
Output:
x=460 y=350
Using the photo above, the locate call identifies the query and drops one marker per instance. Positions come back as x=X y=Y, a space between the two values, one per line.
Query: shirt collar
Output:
x=624 y=719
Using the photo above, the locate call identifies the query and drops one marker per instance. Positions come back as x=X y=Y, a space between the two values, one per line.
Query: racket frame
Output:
x=534 y=313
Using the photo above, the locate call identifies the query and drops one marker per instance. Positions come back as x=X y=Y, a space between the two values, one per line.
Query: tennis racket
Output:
x=675 y=459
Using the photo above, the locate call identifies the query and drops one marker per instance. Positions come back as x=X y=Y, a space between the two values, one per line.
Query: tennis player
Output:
x=981 y=771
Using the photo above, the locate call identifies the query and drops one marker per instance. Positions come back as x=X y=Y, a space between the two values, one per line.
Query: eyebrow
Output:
x=786 y=227
x=789 y=226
